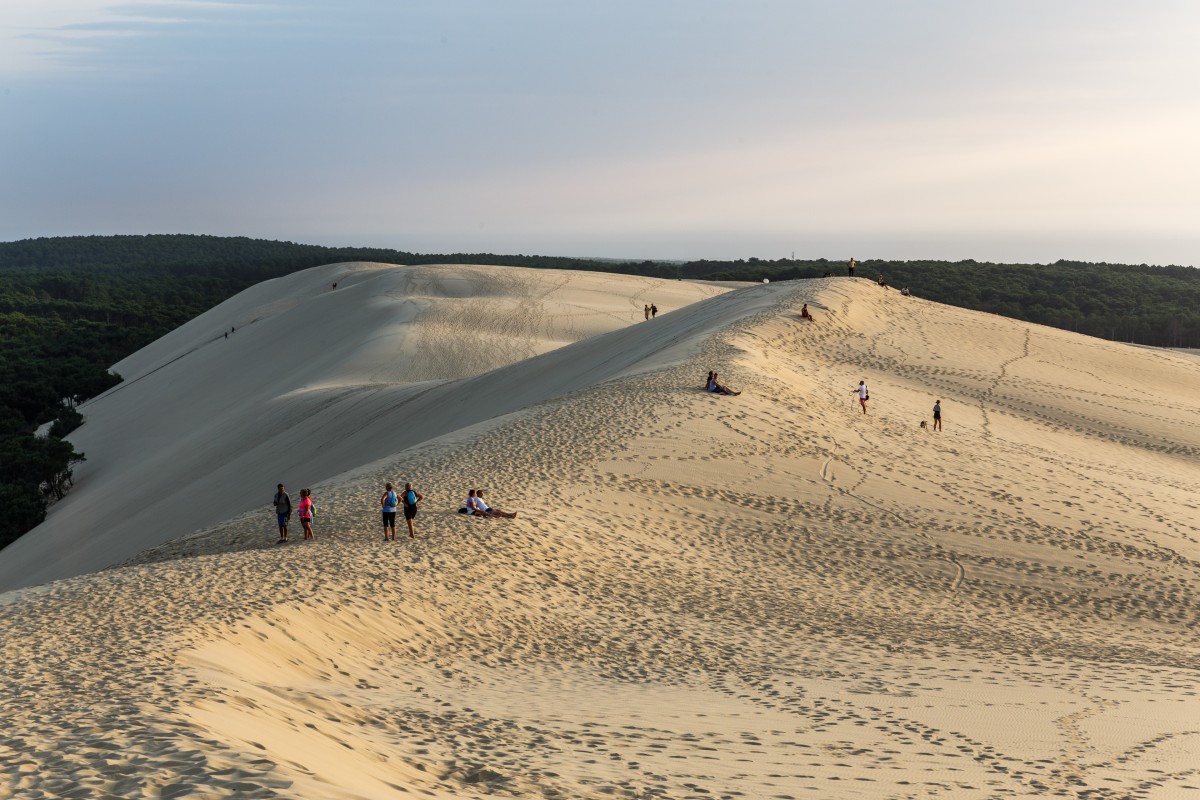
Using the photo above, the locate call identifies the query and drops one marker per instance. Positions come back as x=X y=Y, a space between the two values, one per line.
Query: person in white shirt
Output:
x=483 y=509
x=863 y=395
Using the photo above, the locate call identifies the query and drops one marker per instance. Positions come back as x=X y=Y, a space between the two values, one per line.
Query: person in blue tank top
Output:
x=389 y=501
x=410 y=497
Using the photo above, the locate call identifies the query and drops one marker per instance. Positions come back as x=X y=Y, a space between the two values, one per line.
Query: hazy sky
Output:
x=1003 y=130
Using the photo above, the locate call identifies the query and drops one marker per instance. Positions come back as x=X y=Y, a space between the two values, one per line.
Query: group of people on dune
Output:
x=391 y=502
x=714 y=386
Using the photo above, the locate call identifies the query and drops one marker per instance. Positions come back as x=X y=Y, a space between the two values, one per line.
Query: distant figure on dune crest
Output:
x=481 y=509
x=647 y=312
x=804 y=312
x=305 y=513
x=713 y=386
x=850 y=267
x=389 y=501
x=653 y=311
x=863 y=395
x=881 y=281
x=905 y=292
x=335 y=286
x=937 y=415
x=411 y=497
x=283 y=512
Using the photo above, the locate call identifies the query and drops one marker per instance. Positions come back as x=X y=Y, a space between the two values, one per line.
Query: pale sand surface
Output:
x=764 y=596
x=312 y=382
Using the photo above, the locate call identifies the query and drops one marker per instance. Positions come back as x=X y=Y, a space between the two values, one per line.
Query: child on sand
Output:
x=804 y=312
x=389 y=501
x=863 y=395
x=305 y=512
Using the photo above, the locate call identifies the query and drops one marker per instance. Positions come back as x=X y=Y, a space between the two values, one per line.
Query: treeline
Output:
x=72 y=306
x=1143 y=304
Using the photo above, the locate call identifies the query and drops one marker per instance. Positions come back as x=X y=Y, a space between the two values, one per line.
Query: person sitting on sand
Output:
x=715 y=387
x=804 y=312
x=484 y=510
x=305 y=512
x=882 y=282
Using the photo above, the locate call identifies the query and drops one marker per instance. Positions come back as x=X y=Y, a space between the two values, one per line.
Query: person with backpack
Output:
x=283 y=512
x=410 y=497
x=389 y=501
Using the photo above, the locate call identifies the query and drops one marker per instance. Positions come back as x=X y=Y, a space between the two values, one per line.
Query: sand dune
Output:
x=312 y=382
x=764 y=596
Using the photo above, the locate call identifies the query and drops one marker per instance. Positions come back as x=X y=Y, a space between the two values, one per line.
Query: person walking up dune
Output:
x=389 y=501
x=283 y=512
x=411 y=497
x=850 y=265
x=647 y=310
x=937 y=415
x=863 y=395
x=305 y=512
x=653 y=311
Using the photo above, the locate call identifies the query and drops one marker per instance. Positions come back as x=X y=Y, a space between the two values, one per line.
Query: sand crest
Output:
x=764 y=596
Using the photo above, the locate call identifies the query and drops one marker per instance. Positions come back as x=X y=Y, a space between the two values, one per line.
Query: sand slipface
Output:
x=764 y=596
x=312 y=381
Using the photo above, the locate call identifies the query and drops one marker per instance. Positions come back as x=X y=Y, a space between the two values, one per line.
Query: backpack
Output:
x=407 y=494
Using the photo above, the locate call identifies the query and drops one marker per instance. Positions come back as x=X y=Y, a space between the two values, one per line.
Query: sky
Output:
x=903 y=129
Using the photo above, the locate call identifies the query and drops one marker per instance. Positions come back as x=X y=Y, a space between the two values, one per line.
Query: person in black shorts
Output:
x=283 y=512
x=411 y=497
x=389 y=501
x=937 y=415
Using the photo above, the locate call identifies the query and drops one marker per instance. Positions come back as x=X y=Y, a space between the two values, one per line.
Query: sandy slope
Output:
x=764 y=596
x=312 y=382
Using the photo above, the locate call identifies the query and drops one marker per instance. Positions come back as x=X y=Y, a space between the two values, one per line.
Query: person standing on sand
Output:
x=389 y=501
x=850 y=267
x=653 y=311
x=305 y=513
x=283 y=512
x=937 y=415
x=863 y=395
x=411 y=497
x=647 y=312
